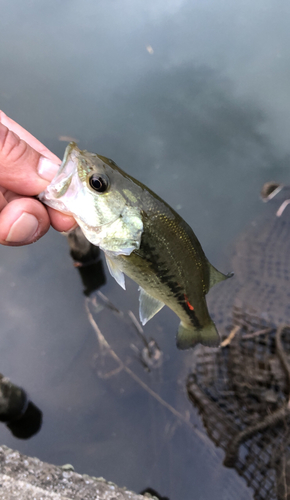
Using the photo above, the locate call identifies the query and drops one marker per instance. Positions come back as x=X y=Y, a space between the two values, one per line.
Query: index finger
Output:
x=23 y=169
x=27 y=137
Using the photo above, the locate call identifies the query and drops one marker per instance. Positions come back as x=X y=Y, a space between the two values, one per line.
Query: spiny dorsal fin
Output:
x=216 y=276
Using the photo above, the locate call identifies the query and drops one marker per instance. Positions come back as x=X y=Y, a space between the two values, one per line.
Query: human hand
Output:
x=26 y=168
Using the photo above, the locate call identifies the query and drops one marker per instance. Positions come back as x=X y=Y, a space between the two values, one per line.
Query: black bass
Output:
x=141 y=237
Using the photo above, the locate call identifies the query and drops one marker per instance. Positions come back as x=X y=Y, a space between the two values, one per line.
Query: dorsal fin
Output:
x=216 y=276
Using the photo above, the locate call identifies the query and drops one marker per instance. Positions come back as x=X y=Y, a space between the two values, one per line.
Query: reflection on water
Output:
x=242 y=390
x=192 y=98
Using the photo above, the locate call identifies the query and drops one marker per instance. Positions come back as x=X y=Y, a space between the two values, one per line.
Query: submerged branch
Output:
x=104 y=344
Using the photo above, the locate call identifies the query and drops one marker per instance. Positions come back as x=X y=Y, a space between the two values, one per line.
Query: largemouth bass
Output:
x=142 y=237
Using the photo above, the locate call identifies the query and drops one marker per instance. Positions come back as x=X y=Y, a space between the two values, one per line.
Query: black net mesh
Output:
x=242 y=389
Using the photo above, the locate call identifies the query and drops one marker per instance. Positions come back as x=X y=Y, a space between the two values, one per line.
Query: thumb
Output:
x=23 y=170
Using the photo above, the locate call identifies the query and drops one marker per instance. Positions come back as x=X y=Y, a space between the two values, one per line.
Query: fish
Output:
x=142 y=237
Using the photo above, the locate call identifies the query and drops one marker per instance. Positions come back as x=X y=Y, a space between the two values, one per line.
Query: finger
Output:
x=22 y=168
x=23 y=221
x=61 y=222
x=27 y=137
x=3 y=201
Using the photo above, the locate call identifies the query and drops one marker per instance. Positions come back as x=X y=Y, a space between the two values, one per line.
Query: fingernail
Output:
x=72 y=228
x=22 y=229
x=47 y=169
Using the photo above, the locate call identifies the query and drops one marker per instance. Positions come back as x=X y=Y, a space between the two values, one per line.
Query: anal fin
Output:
x=148 y=306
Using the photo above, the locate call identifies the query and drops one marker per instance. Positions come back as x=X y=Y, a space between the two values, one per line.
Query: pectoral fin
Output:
x=148 y=306
x=115 y=271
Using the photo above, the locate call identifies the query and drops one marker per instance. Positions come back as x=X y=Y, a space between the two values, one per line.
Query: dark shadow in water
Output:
x=19 y=414
x=28 y=424
x=87 y=260
x=153 y=493
x=242 y=390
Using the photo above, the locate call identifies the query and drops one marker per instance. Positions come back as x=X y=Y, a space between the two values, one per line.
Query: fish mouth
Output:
x=69 y=162
x=68 y=168
x=59 y=185
x=68 y=150
x=61 y=182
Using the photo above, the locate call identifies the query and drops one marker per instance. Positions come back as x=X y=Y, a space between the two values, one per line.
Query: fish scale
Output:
x=173 y=287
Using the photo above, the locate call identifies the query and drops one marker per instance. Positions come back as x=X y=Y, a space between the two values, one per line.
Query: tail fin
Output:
x=188 y=336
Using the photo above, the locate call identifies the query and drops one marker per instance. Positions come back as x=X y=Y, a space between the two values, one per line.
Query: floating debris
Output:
x=149 y=49
x=270 y=189
x=67 y=138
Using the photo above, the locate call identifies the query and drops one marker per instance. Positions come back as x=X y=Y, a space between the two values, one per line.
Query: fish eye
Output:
x=99 y=183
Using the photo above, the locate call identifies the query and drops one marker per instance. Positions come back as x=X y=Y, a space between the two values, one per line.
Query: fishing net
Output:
x=242 y=389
